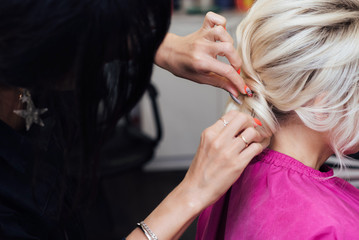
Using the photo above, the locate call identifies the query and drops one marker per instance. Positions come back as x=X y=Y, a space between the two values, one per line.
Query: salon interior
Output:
x=156 y=143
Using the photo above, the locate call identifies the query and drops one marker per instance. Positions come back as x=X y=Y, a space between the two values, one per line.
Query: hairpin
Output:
x=31 y=114
x=240 y=103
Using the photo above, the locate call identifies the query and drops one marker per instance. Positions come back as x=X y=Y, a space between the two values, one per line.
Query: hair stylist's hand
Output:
x=195 y=56
x=223 y=155
x=221 y=158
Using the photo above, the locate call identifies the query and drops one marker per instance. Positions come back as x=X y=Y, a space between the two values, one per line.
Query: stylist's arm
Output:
x=220 y=159
x=194 y=56
x=222 y=155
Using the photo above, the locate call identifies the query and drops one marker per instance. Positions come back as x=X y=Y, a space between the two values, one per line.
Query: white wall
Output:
x=186 y=108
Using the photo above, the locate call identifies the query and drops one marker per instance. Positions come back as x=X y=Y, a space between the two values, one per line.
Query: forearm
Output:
x=220 y=159
x=165 y=51
x=173 y=216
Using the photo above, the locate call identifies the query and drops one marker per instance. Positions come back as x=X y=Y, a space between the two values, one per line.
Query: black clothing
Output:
x=30 y=186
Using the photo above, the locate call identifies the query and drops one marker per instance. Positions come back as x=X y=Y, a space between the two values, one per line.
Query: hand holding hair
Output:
x=195 y=56
x=225 y=150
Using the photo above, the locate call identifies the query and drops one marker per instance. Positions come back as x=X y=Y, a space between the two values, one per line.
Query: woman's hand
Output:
x=225 y=150
x=223 y=154
x=195 y=56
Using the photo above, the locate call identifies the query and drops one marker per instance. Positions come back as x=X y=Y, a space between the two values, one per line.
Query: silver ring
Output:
x=244 y=140
x=225 y=123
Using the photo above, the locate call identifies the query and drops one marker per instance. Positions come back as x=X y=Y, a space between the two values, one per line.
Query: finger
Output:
x=233 y=122
x=218 y=33
x=249 y=136
x=218 y=126
x=225 y=120
x=227 y=71
x=227 y=50
x=220 y=82
x=212 y=19
x=238 y=124
x=249 y=153
x=241 y=142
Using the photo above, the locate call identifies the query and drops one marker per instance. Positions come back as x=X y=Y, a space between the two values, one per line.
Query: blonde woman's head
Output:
x=301 y=57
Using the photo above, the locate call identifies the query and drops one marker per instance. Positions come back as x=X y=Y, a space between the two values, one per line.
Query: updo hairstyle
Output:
x=302 y=57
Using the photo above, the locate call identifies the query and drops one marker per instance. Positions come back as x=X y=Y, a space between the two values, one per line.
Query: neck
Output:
x=302 y=143
x=9 y=101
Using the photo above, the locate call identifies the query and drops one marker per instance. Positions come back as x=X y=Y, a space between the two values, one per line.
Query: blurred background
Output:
x=155 y=144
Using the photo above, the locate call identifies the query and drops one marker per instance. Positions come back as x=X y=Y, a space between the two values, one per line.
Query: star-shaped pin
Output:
x=31 y=114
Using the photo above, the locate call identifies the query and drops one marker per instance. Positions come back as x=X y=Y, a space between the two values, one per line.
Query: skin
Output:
x=196 y=58
x=9 y=101
x=221 y=158
x=222 y=155
x=309 y=147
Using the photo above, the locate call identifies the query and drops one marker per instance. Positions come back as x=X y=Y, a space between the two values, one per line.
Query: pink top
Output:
x=278 y=197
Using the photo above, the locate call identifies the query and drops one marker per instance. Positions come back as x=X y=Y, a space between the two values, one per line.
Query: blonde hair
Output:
x=297 y=51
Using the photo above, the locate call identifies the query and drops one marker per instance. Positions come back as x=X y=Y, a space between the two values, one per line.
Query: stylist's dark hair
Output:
x=103 y=49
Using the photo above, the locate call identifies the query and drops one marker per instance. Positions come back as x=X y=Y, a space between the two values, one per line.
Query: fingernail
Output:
x=235 y=99
x=257 y=121
x=248 y=91
x=239 y=71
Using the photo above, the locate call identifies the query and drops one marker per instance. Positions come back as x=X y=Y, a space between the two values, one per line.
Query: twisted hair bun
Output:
x=302 y=57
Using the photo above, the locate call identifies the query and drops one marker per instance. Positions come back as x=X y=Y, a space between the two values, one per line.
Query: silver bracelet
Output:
x=147 y=231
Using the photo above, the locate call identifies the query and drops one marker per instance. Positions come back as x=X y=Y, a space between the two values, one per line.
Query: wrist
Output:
x=175 y=213
x=164 y=52
x=189 y=198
